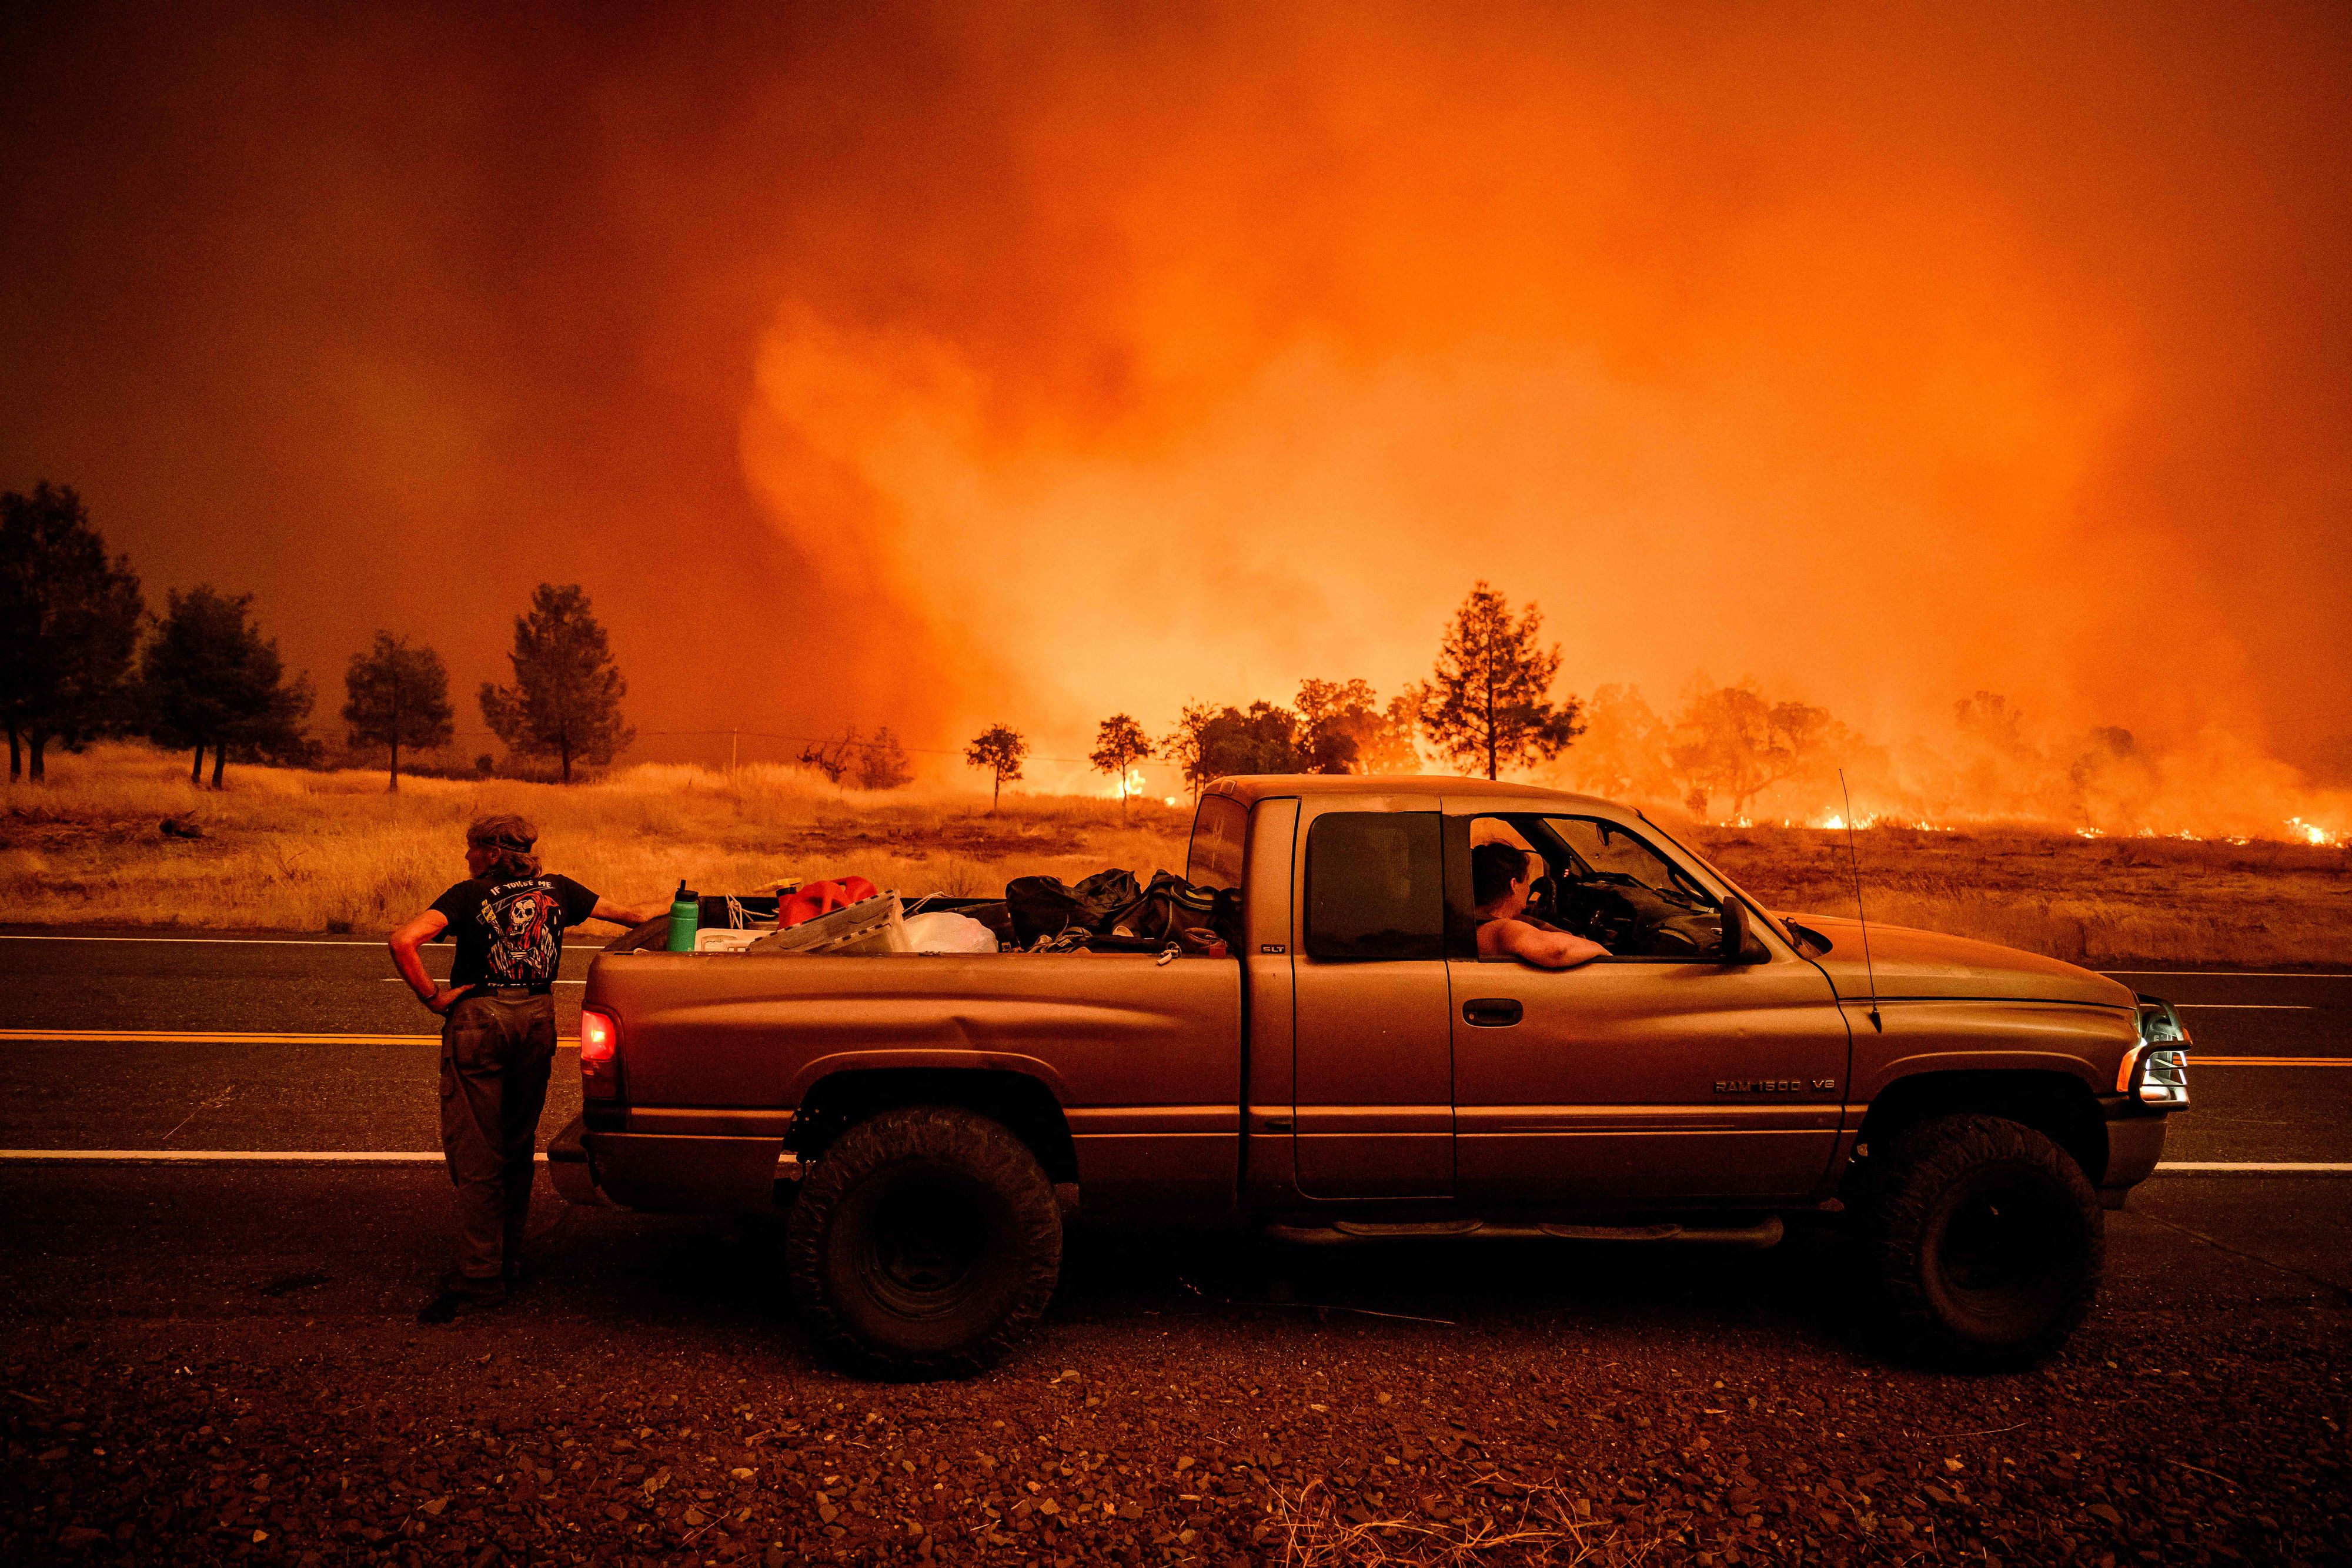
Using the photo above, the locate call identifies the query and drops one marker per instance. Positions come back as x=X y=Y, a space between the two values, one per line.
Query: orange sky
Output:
x=930 y=369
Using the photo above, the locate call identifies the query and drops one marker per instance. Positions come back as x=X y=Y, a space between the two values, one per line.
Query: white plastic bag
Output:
x=943 y=931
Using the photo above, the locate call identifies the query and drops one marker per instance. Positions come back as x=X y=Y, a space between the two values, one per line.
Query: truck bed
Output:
x=1144 y=1058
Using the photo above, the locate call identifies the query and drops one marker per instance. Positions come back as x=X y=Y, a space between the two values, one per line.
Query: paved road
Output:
x=68 y=1093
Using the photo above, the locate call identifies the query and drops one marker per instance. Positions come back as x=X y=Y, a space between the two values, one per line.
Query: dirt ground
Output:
x=1180 y=1409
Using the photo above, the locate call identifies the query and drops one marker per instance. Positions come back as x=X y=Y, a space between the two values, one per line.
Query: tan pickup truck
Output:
x=1355 y=1071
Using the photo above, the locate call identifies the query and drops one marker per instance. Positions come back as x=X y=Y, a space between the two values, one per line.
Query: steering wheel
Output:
x=1601 y=915
x=1543 y=899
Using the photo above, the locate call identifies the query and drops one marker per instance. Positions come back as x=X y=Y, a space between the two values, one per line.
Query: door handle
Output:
x=1492 y=1012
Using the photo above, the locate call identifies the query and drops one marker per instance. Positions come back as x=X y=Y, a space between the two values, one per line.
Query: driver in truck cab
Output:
x=1499 y=879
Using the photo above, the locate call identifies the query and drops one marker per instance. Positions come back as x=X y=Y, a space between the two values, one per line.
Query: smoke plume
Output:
x=945 y=365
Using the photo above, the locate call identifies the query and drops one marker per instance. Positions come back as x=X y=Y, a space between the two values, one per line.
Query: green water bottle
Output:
x=685 y=918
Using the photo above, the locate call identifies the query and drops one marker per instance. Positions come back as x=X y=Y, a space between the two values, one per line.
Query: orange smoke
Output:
x=940 y=368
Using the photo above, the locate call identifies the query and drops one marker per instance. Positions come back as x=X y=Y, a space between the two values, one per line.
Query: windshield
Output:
x=1715 y=871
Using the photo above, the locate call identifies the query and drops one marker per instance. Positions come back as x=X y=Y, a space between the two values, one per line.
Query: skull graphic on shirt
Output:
x=526 y=930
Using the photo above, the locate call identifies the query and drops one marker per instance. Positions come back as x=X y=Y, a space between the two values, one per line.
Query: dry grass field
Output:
x=333 y=851
x=2101 y=902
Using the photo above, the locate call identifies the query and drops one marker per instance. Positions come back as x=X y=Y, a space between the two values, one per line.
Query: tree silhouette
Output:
x=1342 y=728
x=565 y=702
x=1120 y=745
x=1181 y=746
x=1625 y=748
x=397 y=696
x=1730 y=742
x=882 y=762
x=209 y=678
x=832 y=757
x=69 y=626
x=1000 y=749
x=1489 y=700
x=1262 y=738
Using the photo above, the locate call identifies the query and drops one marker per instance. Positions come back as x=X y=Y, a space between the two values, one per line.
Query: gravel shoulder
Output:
x=223 y=1368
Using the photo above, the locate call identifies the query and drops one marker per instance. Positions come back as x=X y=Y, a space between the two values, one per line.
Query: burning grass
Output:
x=333 y=851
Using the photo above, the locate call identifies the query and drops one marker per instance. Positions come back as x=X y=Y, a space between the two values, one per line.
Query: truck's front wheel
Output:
x=1987 y=1238
x=923 y=1242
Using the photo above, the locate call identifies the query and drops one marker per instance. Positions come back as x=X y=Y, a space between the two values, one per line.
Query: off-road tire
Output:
x=1987 y=1240
x=923 y=1242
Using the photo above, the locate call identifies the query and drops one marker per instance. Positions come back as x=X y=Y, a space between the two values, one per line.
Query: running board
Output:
x=1765 y=1233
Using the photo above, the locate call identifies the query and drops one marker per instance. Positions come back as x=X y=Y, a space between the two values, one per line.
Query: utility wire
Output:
x=821 y=739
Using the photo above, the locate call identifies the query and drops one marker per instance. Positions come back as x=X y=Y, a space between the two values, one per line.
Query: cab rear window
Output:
x=1219 y=830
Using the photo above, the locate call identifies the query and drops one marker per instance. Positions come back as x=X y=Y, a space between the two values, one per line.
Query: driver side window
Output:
x=1608 y=885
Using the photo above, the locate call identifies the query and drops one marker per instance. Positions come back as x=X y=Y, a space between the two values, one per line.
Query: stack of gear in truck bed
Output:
x=1109 y=912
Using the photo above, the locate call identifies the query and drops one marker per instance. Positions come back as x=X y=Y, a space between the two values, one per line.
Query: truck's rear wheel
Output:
x=923 y=1242
x=1988 y=1239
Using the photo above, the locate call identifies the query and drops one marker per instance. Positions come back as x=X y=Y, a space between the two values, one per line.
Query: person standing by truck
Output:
x=497 y=1040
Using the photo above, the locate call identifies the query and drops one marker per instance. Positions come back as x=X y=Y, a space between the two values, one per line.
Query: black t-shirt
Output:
x=511 y=932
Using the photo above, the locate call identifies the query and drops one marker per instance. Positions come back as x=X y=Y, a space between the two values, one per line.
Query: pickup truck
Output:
x=1354 y=1071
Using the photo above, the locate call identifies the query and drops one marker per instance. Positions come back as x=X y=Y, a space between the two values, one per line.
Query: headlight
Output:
x=2155 y=1071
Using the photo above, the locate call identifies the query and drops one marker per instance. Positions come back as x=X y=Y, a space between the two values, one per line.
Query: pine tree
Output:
x=565 y=702
x=209 y=679
x=1489 y=701
x=397 y=696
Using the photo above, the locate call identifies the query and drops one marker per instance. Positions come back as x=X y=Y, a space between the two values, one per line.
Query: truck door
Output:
x=1372 y=1042
x=1657 y=1074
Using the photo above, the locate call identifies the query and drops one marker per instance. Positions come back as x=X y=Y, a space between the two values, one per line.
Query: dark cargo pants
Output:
x=495 y=1057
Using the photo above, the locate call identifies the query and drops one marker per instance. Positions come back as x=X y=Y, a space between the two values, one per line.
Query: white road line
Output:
x=2237 y=974
x=396 y=980
x=226 y=1156
x=224 y=1036
x=250 y=941
x=422 y=1157
x=2302 y=1168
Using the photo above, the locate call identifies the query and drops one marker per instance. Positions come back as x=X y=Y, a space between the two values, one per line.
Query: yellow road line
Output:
x=181 y=1037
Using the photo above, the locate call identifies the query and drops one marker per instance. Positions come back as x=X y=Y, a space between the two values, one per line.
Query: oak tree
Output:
x=1120 y=745
x=1343 y=728
x=1000 y=749
x=882 y=762
x=1730 y=743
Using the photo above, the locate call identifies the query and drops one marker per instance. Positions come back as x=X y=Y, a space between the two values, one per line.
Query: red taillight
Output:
x=600 y=1039
x=600 y=1054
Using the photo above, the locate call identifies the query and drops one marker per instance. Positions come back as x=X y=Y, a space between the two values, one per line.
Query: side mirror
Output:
x=1734 y=932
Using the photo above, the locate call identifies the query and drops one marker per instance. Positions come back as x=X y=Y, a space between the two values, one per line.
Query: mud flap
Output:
x=567 y=1163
